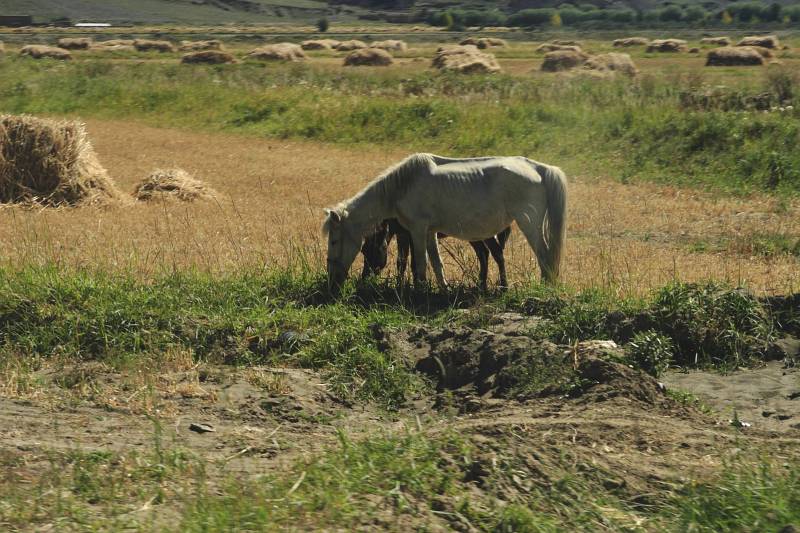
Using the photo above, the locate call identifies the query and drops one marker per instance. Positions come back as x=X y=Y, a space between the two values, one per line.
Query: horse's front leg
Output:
x=419 y=257
x=436 y=260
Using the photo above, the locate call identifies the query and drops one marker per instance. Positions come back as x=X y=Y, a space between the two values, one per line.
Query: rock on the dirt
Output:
x=787 y=348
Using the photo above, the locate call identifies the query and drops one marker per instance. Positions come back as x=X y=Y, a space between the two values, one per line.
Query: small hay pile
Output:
x=563 y=60
x=667 y=45
x=172 y=183
x=554 y=47
x=114 y=42
x=278 y=52
x=2 y=49
x=729 y=56
x=210 y=57
x=630 y=41
x=483 y=42
x=347 y=46
x=764 y=41
x=81 y=43
x=319 y=44
x=719 y=41
x=465 y=59
x=369 y=57
x=612 y=62
x=144 y=45
x=114 y=48
x=201 y=46
x=566 y=42
x=50 y=162
x=40 y=51
x=390 y=45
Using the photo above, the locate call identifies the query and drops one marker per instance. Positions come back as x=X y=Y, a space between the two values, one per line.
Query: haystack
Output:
x=373 y=57
x=764 y=41
x=278 y=52
x=694 y=50
x=2 y=49
x=483 y=42
x=729 y=56
x=563 y=60
x=319 y=44
x=347 y=46
x=466 y=59
x=200 y=46
x=40 y=51
x=81 y=43
x=390 y=45
x=667 y=45
x=719 y=41
x=172 y=183
x=566 y=42
x=114 y=42
x=144 y=45
x=612 y=62
x=630 y=41
x=50 y=162
x=553 y=47
x=114 y=48
x=211 y=57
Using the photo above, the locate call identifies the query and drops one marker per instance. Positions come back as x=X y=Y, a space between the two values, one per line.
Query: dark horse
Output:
x=376 y=250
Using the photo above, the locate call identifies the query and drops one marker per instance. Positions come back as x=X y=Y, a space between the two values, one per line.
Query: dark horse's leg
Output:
x=482 y=252
x=496 y=245
x=404 y=248
x=375 y=251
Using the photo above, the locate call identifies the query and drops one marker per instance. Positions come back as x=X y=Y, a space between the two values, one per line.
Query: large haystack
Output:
x=466 y=59
x=729 y=56
x=50 y=162
x=667 y=45
x=80 y=43
x=371 y=57
x=210 y=57
x=483 y=42
x=390 y=45
x=563 y=60
x=554 y=47
x=173 y=183
x=144 y=45
x=612 y=62
x=278 y=52
x=631 y=41
x=40 y=51
x=347 y=46
x=200 y=46
x=719 y=41
x=764 y=41
x=319 y=44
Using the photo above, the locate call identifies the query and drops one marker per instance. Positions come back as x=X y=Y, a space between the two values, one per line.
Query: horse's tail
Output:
x=555 y=227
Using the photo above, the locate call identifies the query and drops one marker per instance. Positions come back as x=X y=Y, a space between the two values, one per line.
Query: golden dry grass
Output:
x=271 y=193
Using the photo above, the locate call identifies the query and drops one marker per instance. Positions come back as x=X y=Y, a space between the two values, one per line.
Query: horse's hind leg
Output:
x=483 y=260
x=436 y=260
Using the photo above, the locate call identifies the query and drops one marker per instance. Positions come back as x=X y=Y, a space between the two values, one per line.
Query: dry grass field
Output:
x=628 y=238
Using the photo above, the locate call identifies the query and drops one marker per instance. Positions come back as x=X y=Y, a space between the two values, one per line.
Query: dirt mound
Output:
x=173 y=183
x=213 y=57
x=612 y=62
x=719 y=41
x=764 y=41
x=347 y=46
x=390 y=45
x=734 y=56
x=319 y=44
x=144 y=45
x=278 y=52
x=50 y=162
x=630 y=41
x=466 y=59
x=374 y=57
x=563 y=60
x=38 y=51
x=199 y=46
x=667 y=45
x=81 y=43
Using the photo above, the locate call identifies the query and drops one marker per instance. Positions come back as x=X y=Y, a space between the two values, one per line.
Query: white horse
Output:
x=470 y=199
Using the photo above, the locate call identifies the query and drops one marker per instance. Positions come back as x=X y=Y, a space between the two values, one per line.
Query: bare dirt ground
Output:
x=634 y=237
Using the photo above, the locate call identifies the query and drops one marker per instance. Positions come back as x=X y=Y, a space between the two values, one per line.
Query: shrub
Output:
x=323 y=25
x=651 y=352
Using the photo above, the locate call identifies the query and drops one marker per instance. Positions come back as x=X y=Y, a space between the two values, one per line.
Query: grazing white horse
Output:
x=470 y=199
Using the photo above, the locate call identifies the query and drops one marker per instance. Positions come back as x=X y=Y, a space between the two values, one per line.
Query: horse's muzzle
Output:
x=336 y=276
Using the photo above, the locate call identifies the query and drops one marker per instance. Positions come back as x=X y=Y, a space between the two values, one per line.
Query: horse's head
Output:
x=376 y=251
x=344 y=242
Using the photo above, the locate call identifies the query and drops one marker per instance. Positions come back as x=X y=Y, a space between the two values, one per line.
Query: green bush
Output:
x=651 y=352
